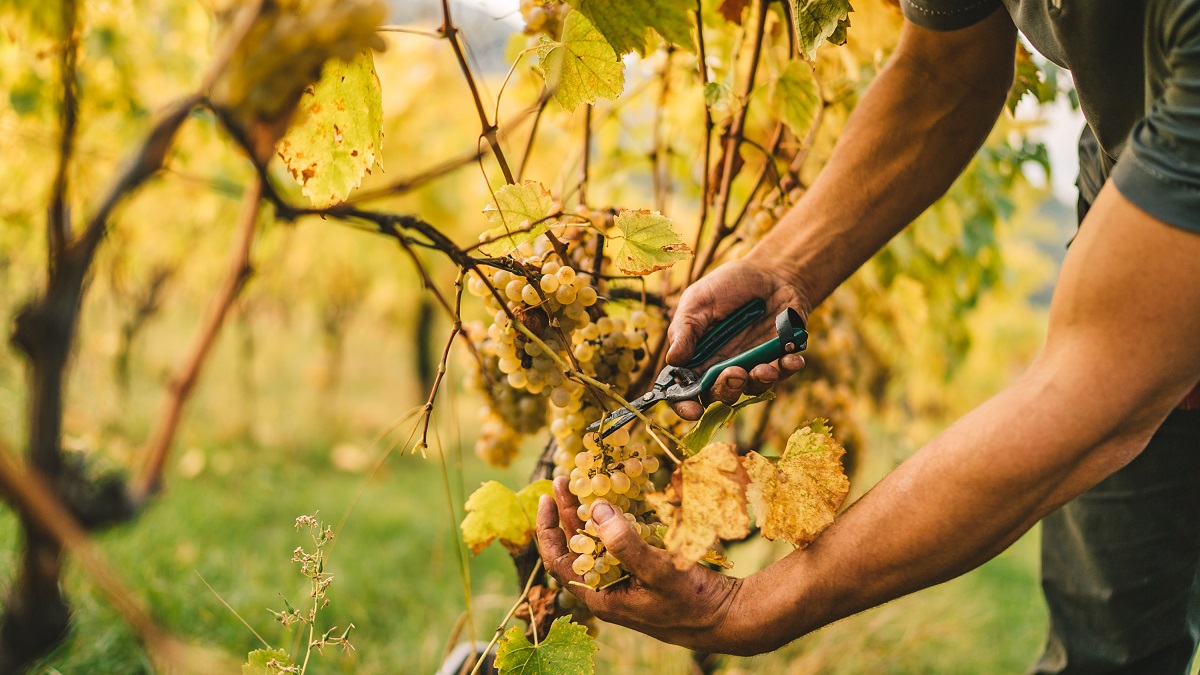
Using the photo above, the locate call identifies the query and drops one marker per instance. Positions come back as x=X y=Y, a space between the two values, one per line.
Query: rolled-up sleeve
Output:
x=1159 y=169
x=946 y=15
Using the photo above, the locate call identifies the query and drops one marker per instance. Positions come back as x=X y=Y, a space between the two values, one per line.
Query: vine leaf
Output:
x=496 y=512
x=339 y=134
x=820 y=20
x=520 y=212
x=1029 y=80
x=581 y=67
x=715 y=416
x=704 y=502
x=626 y=23
x=566 y=649
x=798 y=496
x=649 y=244
x=795 y=97
x=257 y=660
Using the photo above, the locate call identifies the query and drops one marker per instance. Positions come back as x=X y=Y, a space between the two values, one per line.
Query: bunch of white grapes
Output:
x=763 y=216
x=544 y=17
x=618 y=471
x=509 y=413
x=558 y=303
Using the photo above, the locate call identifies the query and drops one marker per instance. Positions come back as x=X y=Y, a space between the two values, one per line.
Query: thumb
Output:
x=621 y=539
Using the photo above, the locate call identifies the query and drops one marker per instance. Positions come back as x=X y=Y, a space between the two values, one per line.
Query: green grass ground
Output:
x=398 y=580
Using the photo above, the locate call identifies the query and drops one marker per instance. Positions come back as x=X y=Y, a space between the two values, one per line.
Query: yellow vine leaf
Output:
x=798 y=496
x=520 y=213
x=820 y=20
x=795 y=97
x=581 y=67
x=650 y=243
x=339 y=135
x=496 y=512
x=704 y=502
x=626 y=24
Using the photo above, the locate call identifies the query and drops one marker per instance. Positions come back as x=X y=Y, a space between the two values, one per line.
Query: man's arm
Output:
x=918 y=125
x=1123 y=349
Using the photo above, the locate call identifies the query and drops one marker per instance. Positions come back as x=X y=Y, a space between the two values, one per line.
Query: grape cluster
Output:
x=763 y=216
x=558 y=303
x=618 y=471
x=544 y=17
x=509 y=413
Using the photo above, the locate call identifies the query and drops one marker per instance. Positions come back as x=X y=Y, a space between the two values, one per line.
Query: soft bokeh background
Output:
x=326 y=349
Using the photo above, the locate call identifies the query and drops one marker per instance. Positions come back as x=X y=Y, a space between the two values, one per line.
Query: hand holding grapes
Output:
x=716 y=296
x=696 y=608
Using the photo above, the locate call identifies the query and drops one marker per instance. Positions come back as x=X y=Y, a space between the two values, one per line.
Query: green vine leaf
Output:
x=626 y=24
x=799 y=495
x=820 y=20
x=520 y=213
x=496 y=512
x=566 y=649
x=795 y=97
x=339 y=133
x=581 y=67
x=715 y=416
x=257 y=662
x=650 y=244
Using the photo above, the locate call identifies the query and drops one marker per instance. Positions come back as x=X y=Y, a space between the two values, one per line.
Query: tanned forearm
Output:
x=1120 y=354
x=914 y=130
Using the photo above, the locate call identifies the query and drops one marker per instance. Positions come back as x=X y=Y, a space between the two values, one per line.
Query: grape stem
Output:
x=508 y=617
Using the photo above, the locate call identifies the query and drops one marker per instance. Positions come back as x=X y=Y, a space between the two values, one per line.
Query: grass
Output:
x=397 y=580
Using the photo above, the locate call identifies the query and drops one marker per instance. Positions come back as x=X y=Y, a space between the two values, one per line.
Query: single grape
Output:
x=581 y=487
x=584 y=562
x=514 y=288
x=601 y=484
x=560 y=397
x=529 y=296
x=591 y=578
x=620 y=482
x=581 y=543
x=650 y=464
x=632 y=467
x=587 y=296
x=585 y=460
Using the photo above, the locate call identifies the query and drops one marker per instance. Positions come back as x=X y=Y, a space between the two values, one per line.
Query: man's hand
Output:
x=696 y=608
x=715 y=297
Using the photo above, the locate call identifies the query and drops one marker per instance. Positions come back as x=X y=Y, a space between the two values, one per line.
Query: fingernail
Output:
x=602 y=511
x=542 y=501
x=735 y=381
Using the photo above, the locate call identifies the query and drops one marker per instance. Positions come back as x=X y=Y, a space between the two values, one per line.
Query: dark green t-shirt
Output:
x=1136 y=66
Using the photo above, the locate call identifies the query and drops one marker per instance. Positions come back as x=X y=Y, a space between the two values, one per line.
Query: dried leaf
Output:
x=704 y=502
x=542 y=600
x=581 y=67
x=336 y=141
x=733 y=10
x=566 y=649
x=798 y=496
x=649 y=243
x=520 y=213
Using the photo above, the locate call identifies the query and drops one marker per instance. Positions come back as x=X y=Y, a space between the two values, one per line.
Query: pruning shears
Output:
x=680 y=384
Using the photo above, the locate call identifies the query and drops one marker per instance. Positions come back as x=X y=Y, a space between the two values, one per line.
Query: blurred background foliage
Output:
x=324 y=351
